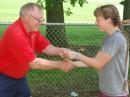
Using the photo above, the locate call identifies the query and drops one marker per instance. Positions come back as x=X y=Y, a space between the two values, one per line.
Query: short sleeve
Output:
x=111 y=47
x=41 y=42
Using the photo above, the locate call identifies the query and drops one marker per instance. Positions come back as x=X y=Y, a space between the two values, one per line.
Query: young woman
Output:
x=111 y=60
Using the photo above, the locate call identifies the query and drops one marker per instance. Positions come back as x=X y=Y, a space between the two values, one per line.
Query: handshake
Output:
x=72 y=56
x=68 y=54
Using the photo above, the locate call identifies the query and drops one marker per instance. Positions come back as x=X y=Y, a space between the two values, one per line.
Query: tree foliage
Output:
x=67 y=11
x=55 y=14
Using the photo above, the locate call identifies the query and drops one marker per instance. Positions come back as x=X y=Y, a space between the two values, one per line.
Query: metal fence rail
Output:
x=81 y=82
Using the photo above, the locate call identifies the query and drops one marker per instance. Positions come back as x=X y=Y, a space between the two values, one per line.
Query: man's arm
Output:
x=43 y=64
x=52 y=50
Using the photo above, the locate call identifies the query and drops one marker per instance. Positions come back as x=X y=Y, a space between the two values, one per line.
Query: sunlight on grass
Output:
x=9 y=10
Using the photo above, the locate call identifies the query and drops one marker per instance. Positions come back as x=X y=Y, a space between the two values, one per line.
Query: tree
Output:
x=126 y=18
x=126 y=12
x=55 y=14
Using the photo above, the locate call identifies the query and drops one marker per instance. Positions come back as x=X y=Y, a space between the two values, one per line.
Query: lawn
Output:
x=81 y=80
x=86 y=39
x=9 y=10
x=59 y=84
x=80 y=35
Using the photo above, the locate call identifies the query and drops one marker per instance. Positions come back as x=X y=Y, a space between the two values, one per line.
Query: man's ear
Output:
x=26 y=17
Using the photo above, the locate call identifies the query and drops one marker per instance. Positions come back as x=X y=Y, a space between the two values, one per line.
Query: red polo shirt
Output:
x=17 y=49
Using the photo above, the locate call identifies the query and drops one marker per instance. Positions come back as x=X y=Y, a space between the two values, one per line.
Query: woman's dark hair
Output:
x=110 y=11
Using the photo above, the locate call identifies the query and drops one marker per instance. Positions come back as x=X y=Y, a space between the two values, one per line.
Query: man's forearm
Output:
x=52 y=50
x=43 y=64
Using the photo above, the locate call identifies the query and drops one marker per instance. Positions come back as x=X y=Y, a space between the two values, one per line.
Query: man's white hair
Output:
x=29 y=7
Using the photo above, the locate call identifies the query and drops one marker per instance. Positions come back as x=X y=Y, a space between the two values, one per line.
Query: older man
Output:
x=17 y=52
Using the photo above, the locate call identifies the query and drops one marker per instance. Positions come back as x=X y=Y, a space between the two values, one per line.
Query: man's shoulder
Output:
x=14 y=32
x=15 y=26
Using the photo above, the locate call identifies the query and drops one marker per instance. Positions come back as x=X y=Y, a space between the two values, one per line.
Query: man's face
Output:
x=34 y=20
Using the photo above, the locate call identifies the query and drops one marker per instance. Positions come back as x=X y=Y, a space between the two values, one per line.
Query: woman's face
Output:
x=102 y=23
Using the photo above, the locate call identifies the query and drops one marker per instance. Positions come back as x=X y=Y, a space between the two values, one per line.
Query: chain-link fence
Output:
x=81 y=82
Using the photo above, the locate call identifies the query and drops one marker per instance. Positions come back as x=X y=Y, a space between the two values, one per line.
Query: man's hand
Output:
x=69 y=54
x=74 y=55
x=64 y=52
x=66 y=66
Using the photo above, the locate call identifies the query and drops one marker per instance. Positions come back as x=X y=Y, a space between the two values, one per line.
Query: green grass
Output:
x=81 y=79
x=76 y=35
x=9 y=10
x=85 y=39
x=84 y=35
x=56 y=82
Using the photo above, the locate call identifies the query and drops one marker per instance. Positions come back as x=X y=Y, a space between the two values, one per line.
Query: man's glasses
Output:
x=39 y=20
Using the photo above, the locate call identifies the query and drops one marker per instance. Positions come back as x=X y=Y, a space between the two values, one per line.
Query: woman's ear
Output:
x=109 y=20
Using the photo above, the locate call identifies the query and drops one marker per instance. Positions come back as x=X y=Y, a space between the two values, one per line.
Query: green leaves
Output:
x=68 y=12
x=51 y=3
x=80 y=2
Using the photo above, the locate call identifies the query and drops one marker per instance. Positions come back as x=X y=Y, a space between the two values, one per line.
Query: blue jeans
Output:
x=10 y=87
